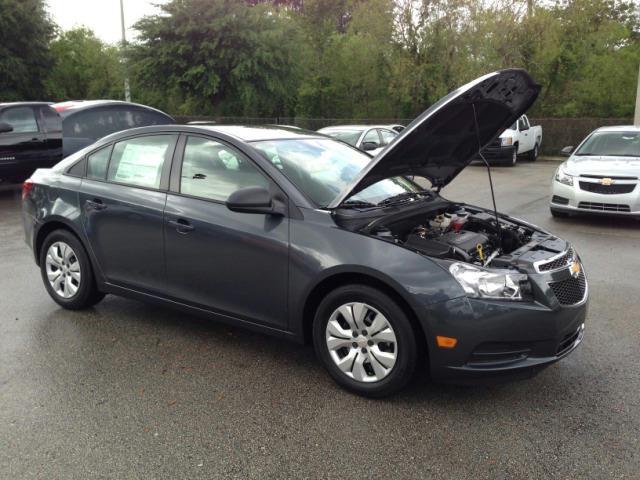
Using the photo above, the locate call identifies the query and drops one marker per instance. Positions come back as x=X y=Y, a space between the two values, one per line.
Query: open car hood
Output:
x=445 y=138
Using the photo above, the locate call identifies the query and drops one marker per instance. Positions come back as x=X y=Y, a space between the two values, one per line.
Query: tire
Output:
x=367 y=365
x=533 y=154
x=514 y=157
x=558 y=214
x=74 y=286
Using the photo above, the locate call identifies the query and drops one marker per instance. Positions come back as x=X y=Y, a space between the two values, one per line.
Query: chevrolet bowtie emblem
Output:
x=575 y=269
x=606 y=181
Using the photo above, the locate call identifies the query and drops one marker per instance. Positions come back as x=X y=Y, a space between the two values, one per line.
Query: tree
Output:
x=84 y=67
x=218 y=56
x=25 y=32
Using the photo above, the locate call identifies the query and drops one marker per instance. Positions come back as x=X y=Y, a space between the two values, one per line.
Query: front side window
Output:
x=322 y=168
x=22 y=119
x=371 y=137
x=139 y=161
x=212 y=170
x=387 y=136
x=617 y=144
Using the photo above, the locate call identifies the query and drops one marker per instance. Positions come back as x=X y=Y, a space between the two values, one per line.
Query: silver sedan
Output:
x=601 y=175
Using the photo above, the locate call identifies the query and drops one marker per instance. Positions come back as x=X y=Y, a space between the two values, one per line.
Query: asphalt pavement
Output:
x=129 y=390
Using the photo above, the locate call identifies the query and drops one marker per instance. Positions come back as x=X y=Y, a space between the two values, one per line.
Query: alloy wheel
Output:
x=63 y=269
x=361 y=342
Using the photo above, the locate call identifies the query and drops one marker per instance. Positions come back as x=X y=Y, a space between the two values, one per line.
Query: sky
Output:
x=101 y=16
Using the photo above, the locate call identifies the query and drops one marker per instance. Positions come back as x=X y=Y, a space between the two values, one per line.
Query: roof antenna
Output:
x=493 y=196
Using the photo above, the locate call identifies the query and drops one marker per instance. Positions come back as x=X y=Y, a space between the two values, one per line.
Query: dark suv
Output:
x=30 y=138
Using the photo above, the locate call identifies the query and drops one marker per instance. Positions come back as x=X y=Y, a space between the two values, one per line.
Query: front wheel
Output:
x=66 y=271
x=514 y=157
x=365 y=341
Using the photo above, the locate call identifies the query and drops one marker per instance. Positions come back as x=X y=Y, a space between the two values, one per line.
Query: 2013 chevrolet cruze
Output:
x=298 y=235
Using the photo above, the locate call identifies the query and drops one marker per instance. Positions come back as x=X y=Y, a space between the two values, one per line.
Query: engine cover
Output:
x=467 y=242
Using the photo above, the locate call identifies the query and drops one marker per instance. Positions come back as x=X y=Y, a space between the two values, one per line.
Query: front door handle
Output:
x=182 y=225
x=96 y=204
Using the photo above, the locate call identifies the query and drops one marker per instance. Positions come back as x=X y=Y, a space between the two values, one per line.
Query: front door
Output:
x=229 y=262
x=122 y=199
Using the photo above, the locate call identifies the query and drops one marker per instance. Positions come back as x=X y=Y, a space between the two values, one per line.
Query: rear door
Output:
x=229 y=262
x=21 y=150
x=122 y=198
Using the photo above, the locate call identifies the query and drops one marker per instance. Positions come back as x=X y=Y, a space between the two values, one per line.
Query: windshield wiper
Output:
x=401 y=197
x=357 y=204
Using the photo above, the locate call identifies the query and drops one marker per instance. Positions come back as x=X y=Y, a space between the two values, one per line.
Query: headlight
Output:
x=506 y=141
x=563 y=177
x=495 y=284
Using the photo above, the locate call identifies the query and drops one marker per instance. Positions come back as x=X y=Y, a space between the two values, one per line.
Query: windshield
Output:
x=619 y=144
x=322 y=168
x=348 y=136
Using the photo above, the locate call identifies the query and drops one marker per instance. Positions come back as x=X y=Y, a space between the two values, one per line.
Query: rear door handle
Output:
x=96 y=204
x=182 y=225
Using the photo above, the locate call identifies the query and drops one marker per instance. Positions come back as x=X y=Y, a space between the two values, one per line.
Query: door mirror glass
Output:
x=566 y=151
x=253 y=200
x=5 y=127
x=368 y=146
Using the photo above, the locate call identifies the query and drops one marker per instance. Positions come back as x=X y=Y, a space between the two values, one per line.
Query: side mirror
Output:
x=368 y=146
x=566 y=151
x=5 y=127
x=255 y=200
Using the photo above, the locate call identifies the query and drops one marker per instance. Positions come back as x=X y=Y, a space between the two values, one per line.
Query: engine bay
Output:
x=458 y=233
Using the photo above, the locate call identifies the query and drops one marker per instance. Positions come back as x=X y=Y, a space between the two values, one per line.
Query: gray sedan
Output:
x=297 y=235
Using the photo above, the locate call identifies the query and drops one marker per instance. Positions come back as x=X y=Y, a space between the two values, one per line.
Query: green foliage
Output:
x=25 y=32
x=84 y=68
x=219 y=56
x=332 y=58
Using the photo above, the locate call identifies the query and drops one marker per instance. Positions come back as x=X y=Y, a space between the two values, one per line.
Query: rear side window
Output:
x=51 y=119
x=139 y=161
x=22 y=119
x=100 y=122
x=214 y=171
x=97 y=164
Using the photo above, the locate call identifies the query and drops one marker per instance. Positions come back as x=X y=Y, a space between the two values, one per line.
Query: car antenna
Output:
x=493 y=196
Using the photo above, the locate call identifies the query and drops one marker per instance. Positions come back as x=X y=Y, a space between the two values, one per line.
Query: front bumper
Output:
x=574 y=199
x=499 y=340
x=495 y=154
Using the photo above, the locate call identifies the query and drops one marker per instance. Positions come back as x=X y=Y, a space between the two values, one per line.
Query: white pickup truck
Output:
x=520 y=139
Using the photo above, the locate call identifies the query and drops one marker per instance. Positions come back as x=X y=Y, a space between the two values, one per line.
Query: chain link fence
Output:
x=556 y=132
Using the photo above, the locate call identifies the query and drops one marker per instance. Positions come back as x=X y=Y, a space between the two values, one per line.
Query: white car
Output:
x=370 y=138
x=601 y=175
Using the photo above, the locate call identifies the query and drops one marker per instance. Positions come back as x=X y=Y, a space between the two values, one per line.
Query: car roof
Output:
x=34 y=104
x=245 y=133
x=359 y=127
x=73 y=106
x=252 y=133
x=619 y=128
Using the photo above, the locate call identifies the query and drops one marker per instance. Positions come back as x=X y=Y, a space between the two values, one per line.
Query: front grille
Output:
x=556 y=263
x=568 y=341
x=571 y=290
x=604 y=207
x=615 y=189
x=560 y=200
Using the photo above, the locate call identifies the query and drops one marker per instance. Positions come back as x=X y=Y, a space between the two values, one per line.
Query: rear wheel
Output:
x=365 y=341
x=533 y=154
x=66 y=271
